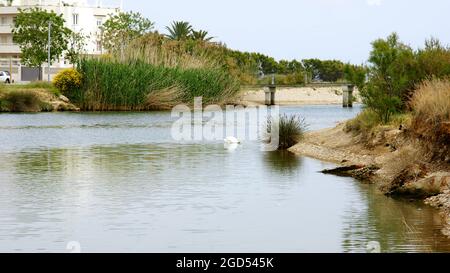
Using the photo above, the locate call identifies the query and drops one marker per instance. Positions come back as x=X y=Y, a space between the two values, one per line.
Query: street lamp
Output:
x=49 y=48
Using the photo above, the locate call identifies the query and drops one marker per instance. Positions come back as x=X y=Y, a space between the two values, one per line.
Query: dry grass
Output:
x=164 y=99
x=431 y=121
x=155 y=50
x=20 y=101
x=431 y=101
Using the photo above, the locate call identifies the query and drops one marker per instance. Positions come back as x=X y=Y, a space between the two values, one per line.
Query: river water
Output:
x=116 y=182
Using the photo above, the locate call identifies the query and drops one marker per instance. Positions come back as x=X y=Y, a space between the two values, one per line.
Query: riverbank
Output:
x=392 y=158
x=297 y=96
x=43 y=97
x=33 y=97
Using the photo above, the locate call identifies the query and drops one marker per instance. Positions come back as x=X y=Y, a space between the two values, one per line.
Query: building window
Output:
x=99 y=22
x=99 y=46
x=75 y=19
x=4 y=21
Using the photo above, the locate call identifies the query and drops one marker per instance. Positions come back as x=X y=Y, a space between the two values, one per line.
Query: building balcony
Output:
x=9 y=10
x=9 y=49
x=5 y=29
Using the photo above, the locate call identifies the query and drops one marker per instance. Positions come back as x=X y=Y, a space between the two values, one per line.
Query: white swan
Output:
x=231 y=140
x=373 y=247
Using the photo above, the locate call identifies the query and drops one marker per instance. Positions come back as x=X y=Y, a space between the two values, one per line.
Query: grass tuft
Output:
x=291 y=131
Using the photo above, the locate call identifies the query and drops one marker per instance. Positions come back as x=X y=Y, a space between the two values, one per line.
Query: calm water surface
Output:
x=116 y=182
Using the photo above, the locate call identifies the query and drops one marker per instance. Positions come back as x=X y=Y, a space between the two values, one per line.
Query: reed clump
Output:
x=155 y=73
x=291 y=130
x=131 y=85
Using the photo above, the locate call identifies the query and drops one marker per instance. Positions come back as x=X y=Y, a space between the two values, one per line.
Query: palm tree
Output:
x=201 y=35
x=179 y=30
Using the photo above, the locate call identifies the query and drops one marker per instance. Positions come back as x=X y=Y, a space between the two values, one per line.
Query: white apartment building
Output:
x=80 y=15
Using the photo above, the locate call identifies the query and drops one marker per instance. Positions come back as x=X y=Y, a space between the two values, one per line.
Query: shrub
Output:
x=68 y=80
x=394 y=71
x=368 y=120
x=364 y=122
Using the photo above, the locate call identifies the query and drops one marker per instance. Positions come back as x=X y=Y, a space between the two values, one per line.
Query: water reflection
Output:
x=399 y=225
x=283 y=162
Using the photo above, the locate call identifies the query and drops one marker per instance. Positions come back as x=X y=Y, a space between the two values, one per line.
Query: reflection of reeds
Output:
x=413 y=234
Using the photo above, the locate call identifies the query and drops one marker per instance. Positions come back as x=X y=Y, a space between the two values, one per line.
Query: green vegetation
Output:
x=327 y=71
x=393 y=73
x=31 y=97
x=38 y=85
x=147 y=70
x=112 y=85
x=119 y=30
x=180 y=30
x=291 y=131
x=20 y=101
x=31 y=33
x=68 y=80
x=77 y=44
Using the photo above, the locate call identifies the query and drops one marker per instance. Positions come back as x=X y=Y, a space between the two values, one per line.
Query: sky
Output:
x=299 y=29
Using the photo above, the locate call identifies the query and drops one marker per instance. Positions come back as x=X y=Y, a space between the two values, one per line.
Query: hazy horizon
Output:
x=299 y=29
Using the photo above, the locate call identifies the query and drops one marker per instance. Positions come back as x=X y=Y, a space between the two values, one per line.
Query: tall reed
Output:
x=114 y=85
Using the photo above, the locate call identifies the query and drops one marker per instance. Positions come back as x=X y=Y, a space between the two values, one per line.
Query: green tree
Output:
x=356 y=75
x=327 y=70
x=77 y=44
x=392 y=72
x=201 y=35
x=120 y=29
x=179 y=30
x=31 y=33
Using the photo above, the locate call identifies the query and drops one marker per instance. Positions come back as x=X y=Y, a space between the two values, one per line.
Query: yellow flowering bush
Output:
x=67 y=80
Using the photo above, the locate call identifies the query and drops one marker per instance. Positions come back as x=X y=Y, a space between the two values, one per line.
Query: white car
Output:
x=5 y=77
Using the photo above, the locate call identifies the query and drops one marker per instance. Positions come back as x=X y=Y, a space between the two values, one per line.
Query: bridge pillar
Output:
x=270 y=95
x=348 y=95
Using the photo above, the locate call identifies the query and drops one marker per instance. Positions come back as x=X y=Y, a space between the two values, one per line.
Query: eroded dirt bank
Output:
x=396 y=161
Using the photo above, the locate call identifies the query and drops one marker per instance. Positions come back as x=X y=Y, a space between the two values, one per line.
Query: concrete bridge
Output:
x=301 y=95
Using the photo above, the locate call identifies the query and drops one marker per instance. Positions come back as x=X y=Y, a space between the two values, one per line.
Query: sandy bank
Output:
x=297 y=96
x=392 y=159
